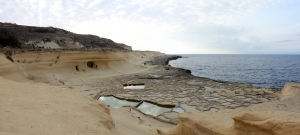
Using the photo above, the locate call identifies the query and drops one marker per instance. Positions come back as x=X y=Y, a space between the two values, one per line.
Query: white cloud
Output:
x=94 y=3
x=164 y=25
x=98 y=12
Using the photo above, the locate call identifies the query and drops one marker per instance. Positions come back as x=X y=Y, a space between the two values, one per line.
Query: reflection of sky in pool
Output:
x=116 y=103
x=178 y=109
x=135 y=87
x=152 y=109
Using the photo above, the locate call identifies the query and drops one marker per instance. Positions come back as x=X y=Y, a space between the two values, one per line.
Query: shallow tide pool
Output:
x=116 y=103
x=152 y=109
x=135 y=87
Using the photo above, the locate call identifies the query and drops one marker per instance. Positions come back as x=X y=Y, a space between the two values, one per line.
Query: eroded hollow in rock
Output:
x=77 y=68
x=91 y=64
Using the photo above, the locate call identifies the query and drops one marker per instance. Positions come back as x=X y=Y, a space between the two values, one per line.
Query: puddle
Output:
x=156 y=76
x=151 y=109
x=117 y=103
x=134 y=86
x=178 y=109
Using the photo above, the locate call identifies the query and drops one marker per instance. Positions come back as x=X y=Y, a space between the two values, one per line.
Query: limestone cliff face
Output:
x=270 y=118
x=54 y=38
x=24 y=65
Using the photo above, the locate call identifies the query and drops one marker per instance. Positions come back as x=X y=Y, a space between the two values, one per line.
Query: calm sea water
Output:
x=259 y=70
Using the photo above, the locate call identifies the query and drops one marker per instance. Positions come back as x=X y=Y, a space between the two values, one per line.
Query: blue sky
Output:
x=172 y=26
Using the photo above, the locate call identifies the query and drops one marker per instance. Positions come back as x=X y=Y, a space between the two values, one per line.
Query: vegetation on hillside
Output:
x=8 y=39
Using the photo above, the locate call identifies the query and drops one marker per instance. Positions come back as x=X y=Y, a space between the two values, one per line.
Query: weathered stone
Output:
x=263 y=99
x=194 y=83
x=193 y=103
x=213 y=109
x=229 y=93
x=182 y=99
x=163 y=118
x=215 y=95
x=226 y=103
x=171 y=115
x=201 y=108
x=175 y=121
x=188 y=108
x=229 y=100
x=240 y=97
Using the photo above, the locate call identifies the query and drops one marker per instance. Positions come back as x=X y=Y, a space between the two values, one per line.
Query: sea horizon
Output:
x=263 y=70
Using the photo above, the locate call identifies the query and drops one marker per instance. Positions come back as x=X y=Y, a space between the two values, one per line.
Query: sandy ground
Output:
x=36 y=108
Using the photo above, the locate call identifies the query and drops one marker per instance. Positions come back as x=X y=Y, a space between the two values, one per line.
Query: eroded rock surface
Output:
x=276 y=117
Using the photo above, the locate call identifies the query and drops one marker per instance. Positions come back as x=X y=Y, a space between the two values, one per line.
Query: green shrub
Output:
x=8 y=39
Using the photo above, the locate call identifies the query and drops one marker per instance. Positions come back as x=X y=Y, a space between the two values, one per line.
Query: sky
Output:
x=171 y=26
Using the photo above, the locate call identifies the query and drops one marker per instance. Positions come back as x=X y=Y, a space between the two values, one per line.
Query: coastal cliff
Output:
x=30 y=37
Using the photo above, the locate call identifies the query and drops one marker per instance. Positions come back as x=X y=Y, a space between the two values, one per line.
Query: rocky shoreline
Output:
x=166 y=85
x=210 y=106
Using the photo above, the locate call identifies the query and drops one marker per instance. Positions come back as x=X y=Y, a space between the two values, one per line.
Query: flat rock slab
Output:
x=166 y=103
x=182 y=99
x=212 y=99
x=226 y=103
x=163 y=118
x=125 y=95
x=189 y=108
x=215 y=95
x=185 y=89
x=240 y=96
x=202 y=108
x=229 y=100
x=229 y=93
x=263 y=99
x=82 y=88
x=175 y=121
x=184 y=92
x=194 y=83
x=212 y=89
x=171 y=115
x=213 y=109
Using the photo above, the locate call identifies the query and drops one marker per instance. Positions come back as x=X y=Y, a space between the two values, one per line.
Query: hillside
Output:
x=30 y=37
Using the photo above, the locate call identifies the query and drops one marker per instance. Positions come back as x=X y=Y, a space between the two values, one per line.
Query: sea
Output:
x=259 y=70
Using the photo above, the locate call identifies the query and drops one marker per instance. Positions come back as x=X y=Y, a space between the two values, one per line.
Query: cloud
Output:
x=285 y=41
x=94 y=3
x=165 y=25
